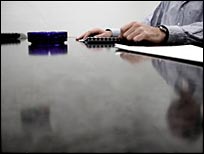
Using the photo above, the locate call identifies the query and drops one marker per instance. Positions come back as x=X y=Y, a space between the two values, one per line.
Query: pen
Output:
x=12 y=36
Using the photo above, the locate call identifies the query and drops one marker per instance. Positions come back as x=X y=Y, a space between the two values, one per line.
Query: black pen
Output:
x=7 y=38
x=13 y=36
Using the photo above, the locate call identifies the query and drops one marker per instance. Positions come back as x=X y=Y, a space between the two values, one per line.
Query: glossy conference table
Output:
x=78 y=98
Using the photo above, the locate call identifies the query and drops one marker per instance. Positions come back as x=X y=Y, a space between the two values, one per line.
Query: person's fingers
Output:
x=129 y=26
x=84 y=36
x=97 y=31
x=80 y=37
x=128 y=32
x=105 y=34
x=125 y=28
x=87 y=34
x=120 y=36
x=133 y=34
x=139 y=37
x=94 y=31
x=101 y=35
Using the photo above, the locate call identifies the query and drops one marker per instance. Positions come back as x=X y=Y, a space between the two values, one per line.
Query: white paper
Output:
x=185 y=52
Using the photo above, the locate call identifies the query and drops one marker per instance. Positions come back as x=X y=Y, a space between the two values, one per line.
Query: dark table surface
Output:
x=75 y=98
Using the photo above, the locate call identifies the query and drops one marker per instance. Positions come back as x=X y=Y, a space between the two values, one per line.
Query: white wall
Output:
x=73 y=16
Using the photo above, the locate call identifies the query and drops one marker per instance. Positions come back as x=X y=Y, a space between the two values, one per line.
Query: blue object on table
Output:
x=47 y=37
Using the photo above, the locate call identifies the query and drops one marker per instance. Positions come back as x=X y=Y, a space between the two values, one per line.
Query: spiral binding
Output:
x=102 y=40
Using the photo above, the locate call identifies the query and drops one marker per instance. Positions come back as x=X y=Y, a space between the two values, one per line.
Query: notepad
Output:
x=112 y=41
x=184 y=52
x=101 y=40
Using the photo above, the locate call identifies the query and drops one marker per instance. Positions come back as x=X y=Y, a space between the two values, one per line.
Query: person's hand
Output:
x=97 y=32
x=137 y=32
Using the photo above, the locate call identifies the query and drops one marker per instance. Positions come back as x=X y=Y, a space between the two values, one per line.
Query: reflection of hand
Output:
x=132 y=58
x=97 y=32
x=135 y=31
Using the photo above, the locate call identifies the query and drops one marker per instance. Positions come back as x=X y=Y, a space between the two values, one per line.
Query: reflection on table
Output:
x=47 y=49
x=36 y=122
x=184 y=115
x=87 y=102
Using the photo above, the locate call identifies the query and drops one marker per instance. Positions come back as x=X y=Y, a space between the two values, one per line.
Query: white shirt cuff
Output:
x=115 y=31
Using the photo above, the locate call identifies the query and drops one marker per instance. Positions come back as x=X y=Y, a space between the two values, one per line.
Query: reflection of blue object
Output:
x=47 y=49
x=47 y=37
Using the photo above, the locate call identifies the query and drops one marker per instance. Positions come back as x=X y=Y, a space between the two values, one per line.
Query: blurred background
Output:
x=75 y=17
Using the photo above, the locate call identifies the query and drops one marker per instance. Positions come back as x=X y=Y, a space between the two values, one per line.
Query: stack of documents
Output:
x=184 y=52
